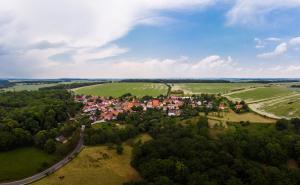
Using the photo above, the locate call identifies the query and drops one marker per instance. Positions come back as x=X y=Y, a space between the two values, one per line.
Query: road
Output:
x=53 y=168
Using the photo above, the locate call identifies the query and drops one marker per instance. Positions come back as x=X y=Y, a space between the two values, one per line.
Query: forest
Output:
x=187 y=155
x=36 y=118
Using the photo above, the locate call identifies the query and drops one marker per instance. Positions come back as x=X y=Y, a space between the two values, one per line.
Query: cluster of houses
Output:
x=107 y=109
x=103 y=108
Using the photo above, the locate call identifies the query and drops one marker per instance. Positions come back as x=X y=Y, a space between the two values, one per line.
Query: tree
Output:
x=40 y=138
x=296 y=123
x=23 y=137
x=50 y=146
x=119 y=149
x=7 y=140
x=282 y=124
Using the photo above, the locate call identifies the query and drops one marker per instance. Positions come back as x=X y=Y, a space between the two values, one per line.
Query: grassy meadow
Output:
x=118 y=89
x=23 y=162
x=212 y=88
x=95 y=165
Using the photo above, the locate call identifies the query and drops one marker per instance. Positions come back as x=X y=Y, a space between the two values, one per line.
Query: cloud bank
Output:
x=68 y=38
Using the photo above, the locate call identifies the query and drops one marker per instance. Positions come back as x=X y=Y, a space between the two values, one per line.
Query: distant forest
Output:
x=265 y=81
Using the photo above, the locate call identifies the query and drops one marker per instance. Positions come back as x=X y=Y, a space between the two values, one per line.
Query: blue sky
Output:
x=149 y=39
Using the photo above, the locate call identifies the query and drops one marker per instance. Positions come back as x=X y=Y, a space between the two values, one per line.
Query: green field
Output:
x=212 y=88
x=288 y=108
x=118 y=89
x=23 y=162
x=263 y=93
x=25 y=87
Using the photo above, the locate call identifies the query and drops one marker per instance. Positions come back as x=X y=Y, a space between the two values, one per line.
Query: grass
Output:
x=262 y=93
x=25 y=87
x=95 y=165
x=212 y=88
x=287 y=108
x=118 y=89
x=234 y=117
x=23 y=162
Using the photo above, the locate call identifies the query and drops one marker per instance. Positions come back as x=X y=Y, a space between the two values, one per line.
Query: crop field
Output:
x=118 y=89
x=286 y=108
x=212 y=88
x=263 y=93
x=23 y=162
x=95 y=165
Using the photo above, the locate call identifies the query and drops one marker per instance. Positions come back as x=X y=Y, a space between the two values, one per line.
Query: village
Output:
x=107 y=109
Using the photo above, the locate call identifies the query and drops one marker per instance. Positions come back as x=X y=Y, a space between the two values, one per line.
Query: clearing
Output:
x=97 y=165
x=23 y=162
x=118 y=89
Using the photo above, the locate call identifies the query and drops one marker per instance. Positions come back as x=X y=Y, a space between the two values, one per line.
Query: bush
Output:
x=119 y=149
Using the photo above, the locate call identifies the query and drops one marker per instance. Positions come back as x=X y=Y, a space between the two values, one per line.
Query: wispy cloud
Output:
x=254 y=11
x=278 y=51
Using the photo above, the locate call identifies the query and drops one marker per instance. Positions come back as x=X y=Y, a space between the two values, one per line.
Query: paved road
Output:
x=52 y=169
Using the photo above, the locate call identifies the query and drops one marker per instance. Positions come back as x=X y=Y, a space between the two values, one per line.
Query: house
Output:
x=155 y=103
x=108 y=116
x=221 y=106
x=238 y=106
x=61 y=139
x=172 y=112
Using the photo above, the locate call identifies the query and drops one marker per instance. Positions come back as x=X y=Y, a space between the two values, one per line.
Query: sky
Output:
x=149 y=38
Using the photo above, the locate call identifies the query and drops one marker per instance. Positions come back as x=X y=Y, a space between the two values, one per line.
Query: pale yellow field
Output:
x=234 y=117
x=90 y=167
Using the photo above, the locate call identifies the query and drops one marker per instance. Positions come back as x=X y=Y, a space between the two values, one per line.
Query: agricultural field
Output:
x=27 y=87
x=289 y=107
x=263 y=93
x=118 y=89
x=212 y=88
x=23 y=162
x=95 y=165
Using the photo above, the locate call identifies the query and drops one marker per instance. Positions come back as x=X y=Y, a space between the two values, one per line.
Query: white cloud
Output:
x=278 y=51
x=211 y=66
x=259 y=43
x=295 y=41
x=274 y=39
x=88 y=54
x=253 y=11
x=85 y=23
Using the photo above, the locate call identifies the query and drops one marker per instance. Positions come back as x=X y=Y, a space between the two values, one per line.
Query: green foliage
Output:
x=188 y=156
x=33 y=117
x=119 y=149
x=282 y=124
x=50 y=146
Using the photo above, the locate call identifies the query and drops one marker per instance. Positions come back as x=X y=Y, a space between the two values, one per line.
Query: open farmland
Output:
x=212 y=88
x=118 y=89
x=264 y=93
x=95 y=165
x=289 y=107
x=276 y=101
x=23 y=162
x=27 y=87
